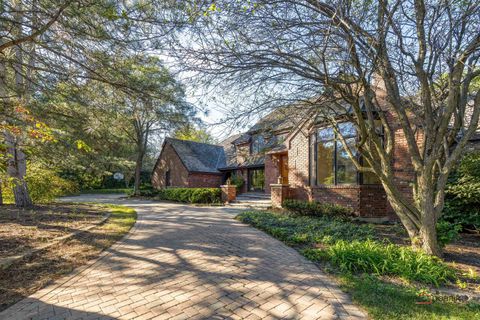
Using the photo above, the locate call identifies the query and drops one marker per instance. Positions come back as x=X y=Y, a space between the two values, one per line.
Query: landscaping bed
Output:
x=49 y=241
x=377 y=267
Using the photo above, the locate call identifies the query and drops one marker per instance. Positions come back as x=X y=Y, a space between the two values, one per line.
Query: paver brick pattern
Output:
x=185 y=262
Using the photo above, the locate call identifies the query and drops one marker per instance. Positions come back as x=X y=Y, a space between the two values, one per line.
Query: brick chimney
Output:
x=377 y=82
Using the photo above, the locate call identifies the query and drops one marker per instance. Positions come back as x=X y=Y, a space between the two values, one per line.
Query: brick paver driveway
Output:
x=185 y=262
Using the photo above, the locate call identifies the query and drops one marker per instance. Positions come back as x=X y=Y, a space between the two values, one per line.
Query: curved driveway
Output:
x=186 y=262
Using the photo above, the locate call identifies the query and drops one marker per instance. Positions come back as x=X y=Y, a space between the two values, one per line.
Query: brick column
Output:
x=229 y=192
x=279 y=193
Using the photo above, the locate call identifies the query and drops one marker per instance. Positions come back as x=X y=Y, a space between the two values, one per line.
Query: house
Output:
x=185 y=163
x=188 y=164
x=278 y=149
x=294 y=148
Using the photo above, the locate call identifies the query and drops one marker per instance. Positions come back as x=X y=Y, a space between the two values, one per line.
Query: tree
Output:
x=29 y=39
x=44 y=42
x=90 y=143
x=190 y=132
x=425 y=54
x=157 y=105
x=141 y=100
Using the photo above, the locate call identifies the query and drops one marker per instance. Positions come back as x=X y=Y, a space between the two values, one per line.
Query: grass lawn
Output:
x=388 y=281
x=24 y=231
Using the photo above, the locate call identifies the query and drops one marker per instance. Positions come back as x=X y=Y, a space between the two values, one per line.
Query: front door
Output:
x=284 y=168
x=256 y=179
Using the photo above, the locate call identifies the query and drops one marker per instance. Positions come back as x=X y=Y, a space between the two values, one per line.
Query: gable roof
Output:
x=197 y=156
x=281 y=118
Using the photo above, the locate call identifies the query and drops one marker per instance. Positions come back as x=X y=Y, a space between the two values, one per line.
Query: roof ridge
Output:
x=191 y=141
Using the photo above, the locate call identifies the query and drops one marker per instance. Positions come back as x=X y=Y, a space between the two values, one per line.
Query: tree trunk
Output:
x=1 y=193
x=17 y=170
x=138 y=170
x=16 y=159
x=418 y=217
x=428 y=241
x=428 y=237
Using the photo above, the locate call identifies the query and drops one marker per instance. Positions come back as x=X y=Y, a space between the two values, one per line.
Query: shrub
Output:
x=459 y=213
x=306 y=208
x=447 y=232
x=384 y=259
x=150 y=192
x=44 y=185
x=191 y=195
x=462 y=200
x=237 y=180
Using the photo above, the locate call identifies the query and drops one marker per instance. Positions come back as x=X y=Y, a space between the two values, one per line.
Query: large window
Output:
x=329 y=161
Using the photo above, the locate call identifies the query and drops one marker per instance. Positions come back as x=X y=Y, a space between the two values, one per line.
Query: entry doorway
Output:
x=256 y=180
x=283 y=168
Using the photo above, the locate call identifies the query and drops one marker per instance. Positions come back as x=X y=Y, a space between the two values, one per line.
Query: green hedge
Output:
x=191 y=195
x=306 y=208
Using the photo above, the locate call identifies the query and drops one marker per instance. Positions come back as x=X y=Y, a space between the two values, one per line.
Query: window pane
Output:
x=370 y=178
x=325 y=151
x=346 y=171
x=347 y=129
x=326 y=134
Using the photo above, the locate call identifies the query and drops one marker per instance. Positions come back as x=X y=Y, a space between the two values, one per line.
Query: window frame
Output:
x=313 y=167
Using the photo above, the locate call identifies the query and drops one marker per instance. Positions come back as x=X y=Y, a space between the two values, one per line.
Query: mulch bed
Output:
x=24 y=230
x=21 y=230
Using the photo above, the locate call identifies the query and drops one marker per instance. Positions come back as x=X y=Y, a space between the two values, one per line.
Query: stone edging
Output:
x=77 y=272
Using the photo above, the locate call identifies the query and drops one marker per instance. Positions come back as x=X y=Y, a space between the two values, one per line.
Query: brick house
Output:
x=188 y=164
x=279 y=149
x=288 y=147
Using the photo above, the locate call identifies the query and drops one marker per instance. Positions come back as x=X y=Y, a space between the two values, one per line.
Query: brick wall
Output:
x=402 y=164
x=271 y=172
x=298 y=165
x=204 y=180
x=179 y=175
x=369 y=201
x=347 y=196
x=372 y=201
x=169 y=160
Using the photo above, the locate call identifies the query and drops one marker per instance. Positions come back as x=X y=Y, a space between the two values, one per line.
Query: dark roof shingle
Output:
x=197 y=156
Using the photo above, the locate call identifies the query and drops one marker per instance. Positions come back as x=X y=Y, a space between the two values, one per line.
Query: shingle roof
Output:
x=230 y=150
x=282 y=118
x=203 y=157
x=197 y=156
